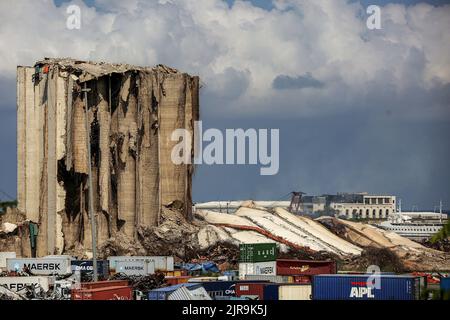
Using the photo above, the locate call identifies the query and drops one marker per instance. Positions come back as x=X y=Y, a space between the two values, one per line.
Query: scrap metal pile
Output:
x=142 y=283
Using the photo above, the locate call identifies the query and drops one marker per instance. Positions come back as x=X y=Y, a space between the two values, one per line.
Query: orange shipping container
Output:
x=177 y=280
x=104 y=284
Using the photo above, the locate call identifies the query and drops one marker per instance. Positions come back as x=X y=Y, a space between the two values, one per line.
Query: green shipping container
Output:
x=257 y=252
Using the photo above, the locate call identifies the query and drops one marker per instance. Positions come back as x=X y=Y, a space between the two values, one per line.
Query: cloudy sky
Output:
x=357 y=109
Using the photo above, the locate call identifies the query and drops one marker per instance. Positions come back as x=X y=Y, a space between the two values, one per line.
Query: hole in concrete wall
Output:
x=72 y=182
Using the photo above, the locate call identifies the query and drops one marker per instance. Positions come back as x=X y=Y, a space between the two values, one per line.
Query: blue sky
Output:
x=357 y=110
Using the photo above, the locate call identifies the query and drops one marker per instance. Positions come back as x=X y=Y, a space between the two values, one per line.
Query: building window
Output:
x=387 y=212
x=367 y=212
x=381 y=213
x=346 y=212
x=374 y=212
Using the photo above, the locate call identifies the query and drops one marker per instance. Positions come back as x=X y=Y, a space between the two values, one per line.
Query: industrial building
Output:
x=348 y=205
x=362 y=205
x=109 y=124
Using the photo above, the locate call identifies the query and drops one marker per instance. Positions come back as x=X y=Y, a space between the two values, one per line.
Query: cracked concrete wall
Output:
x=131 y=115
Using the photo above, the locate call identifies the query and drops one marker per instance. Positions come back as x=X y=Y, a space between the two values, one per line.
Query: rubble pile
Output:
x=303 y=255
x=384 y=258
x=413 y=255
x=16 y=238
x=224 y=254
x=441 y=245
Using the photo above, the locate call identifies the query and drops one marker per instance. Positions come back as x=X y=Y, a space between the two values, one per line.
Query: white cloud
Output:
x=249 y=47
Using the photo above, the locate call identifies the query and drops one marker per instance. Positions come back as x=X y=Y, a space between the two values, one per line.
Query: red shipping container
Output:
x=107 y=293
x=104 y=284
x=302 y=279
x=287 y=267
x=250 y=289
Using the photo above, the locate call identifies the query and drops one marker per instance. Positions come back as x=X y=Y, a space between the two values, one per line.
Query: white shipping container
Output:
x=17 y=284
x=271 y=278
x=257 y=268
x=4 y=256
x=294 y=292
x=135 y=268
x=40 y=266
x=162 y=263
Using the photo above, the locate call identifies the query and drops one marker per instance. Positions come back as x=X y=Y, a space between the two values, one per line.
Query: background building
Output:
x=362 y=205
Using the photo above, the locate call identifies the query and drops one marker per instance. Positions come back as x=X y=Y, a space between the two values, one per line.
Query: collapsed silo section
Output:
x=131 y=113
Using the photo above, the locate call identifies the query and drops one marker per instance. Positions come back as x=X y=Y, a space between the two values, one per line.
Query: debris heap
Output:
x=132 y=112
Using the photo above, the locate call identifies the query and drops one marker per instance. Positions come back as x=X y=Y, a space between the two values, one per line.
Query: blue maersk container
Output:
x=354 y=287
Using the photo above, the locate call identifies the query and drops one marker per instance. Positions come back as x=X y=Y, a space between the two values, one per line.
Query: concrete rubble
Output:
x=413 y=255
x=132 y=112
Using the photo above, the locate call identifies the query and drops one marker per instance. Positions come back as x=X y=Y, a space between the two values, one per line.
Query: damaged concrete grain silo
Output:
x=132 y=112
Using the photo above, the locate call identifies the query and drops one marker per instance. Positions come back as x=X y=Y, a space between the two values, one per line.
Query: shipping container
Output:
x=228 y=298
x=222 y=288
x=163 y=293
x=202 y=279
x=301 y=279
x=86 y=267
x=4 y=256
x=60 y=256
x=105 y=293
x=294 y=292
x=287 y=292
x=184 y=293
x=361 y=287
x=445 y=284
x=17 y=284
x=218 y=288
x=161 y=263
x=175 y=273
x=251 y=290
x=177 y=280
x=270 y=278
x=288 y=267
x=104 y=284
x=135 y=268
x=40 y=266
x=257 y=268
x=257 y=252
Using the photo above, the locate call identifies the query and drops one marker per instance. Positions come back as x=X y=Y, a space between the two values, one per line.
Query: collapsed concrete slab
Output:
x=132 y=112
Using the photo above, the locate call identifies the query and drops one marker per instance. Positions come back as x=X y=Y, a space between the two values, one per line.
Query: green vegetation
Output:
x=444 y=233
